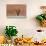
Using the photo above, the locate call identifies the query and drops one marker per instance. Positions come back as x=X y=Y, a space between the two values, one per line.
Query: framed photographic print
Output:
x=16 y=10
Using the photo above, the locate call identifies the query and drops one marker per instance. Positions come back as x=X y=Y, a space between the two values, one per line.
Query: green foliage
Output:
x=41 y=17
x=11 y=31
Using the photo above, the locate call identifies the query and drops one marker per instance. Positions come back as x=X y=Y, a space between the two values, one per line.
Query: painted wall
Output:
x=26 y=26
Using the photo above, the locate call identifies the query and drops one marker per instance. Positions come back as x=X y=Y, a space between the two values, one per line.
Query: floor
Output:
x=30 y=45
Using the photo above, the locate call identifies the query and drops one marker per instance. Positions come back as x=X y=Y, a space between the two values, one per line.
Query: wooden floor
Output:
x=30 y=45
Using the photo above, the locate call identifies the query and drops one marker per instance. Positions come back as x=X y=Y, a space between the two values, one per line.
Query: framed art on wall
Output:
x=16 y=10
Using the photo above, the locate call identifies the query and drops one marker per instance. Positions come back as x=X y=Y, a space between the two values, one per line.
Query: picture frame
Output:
x=16 y=10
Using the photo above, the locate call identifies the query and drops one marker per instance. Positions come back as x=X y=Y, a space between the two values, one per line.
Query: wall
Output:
x=25 y=26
